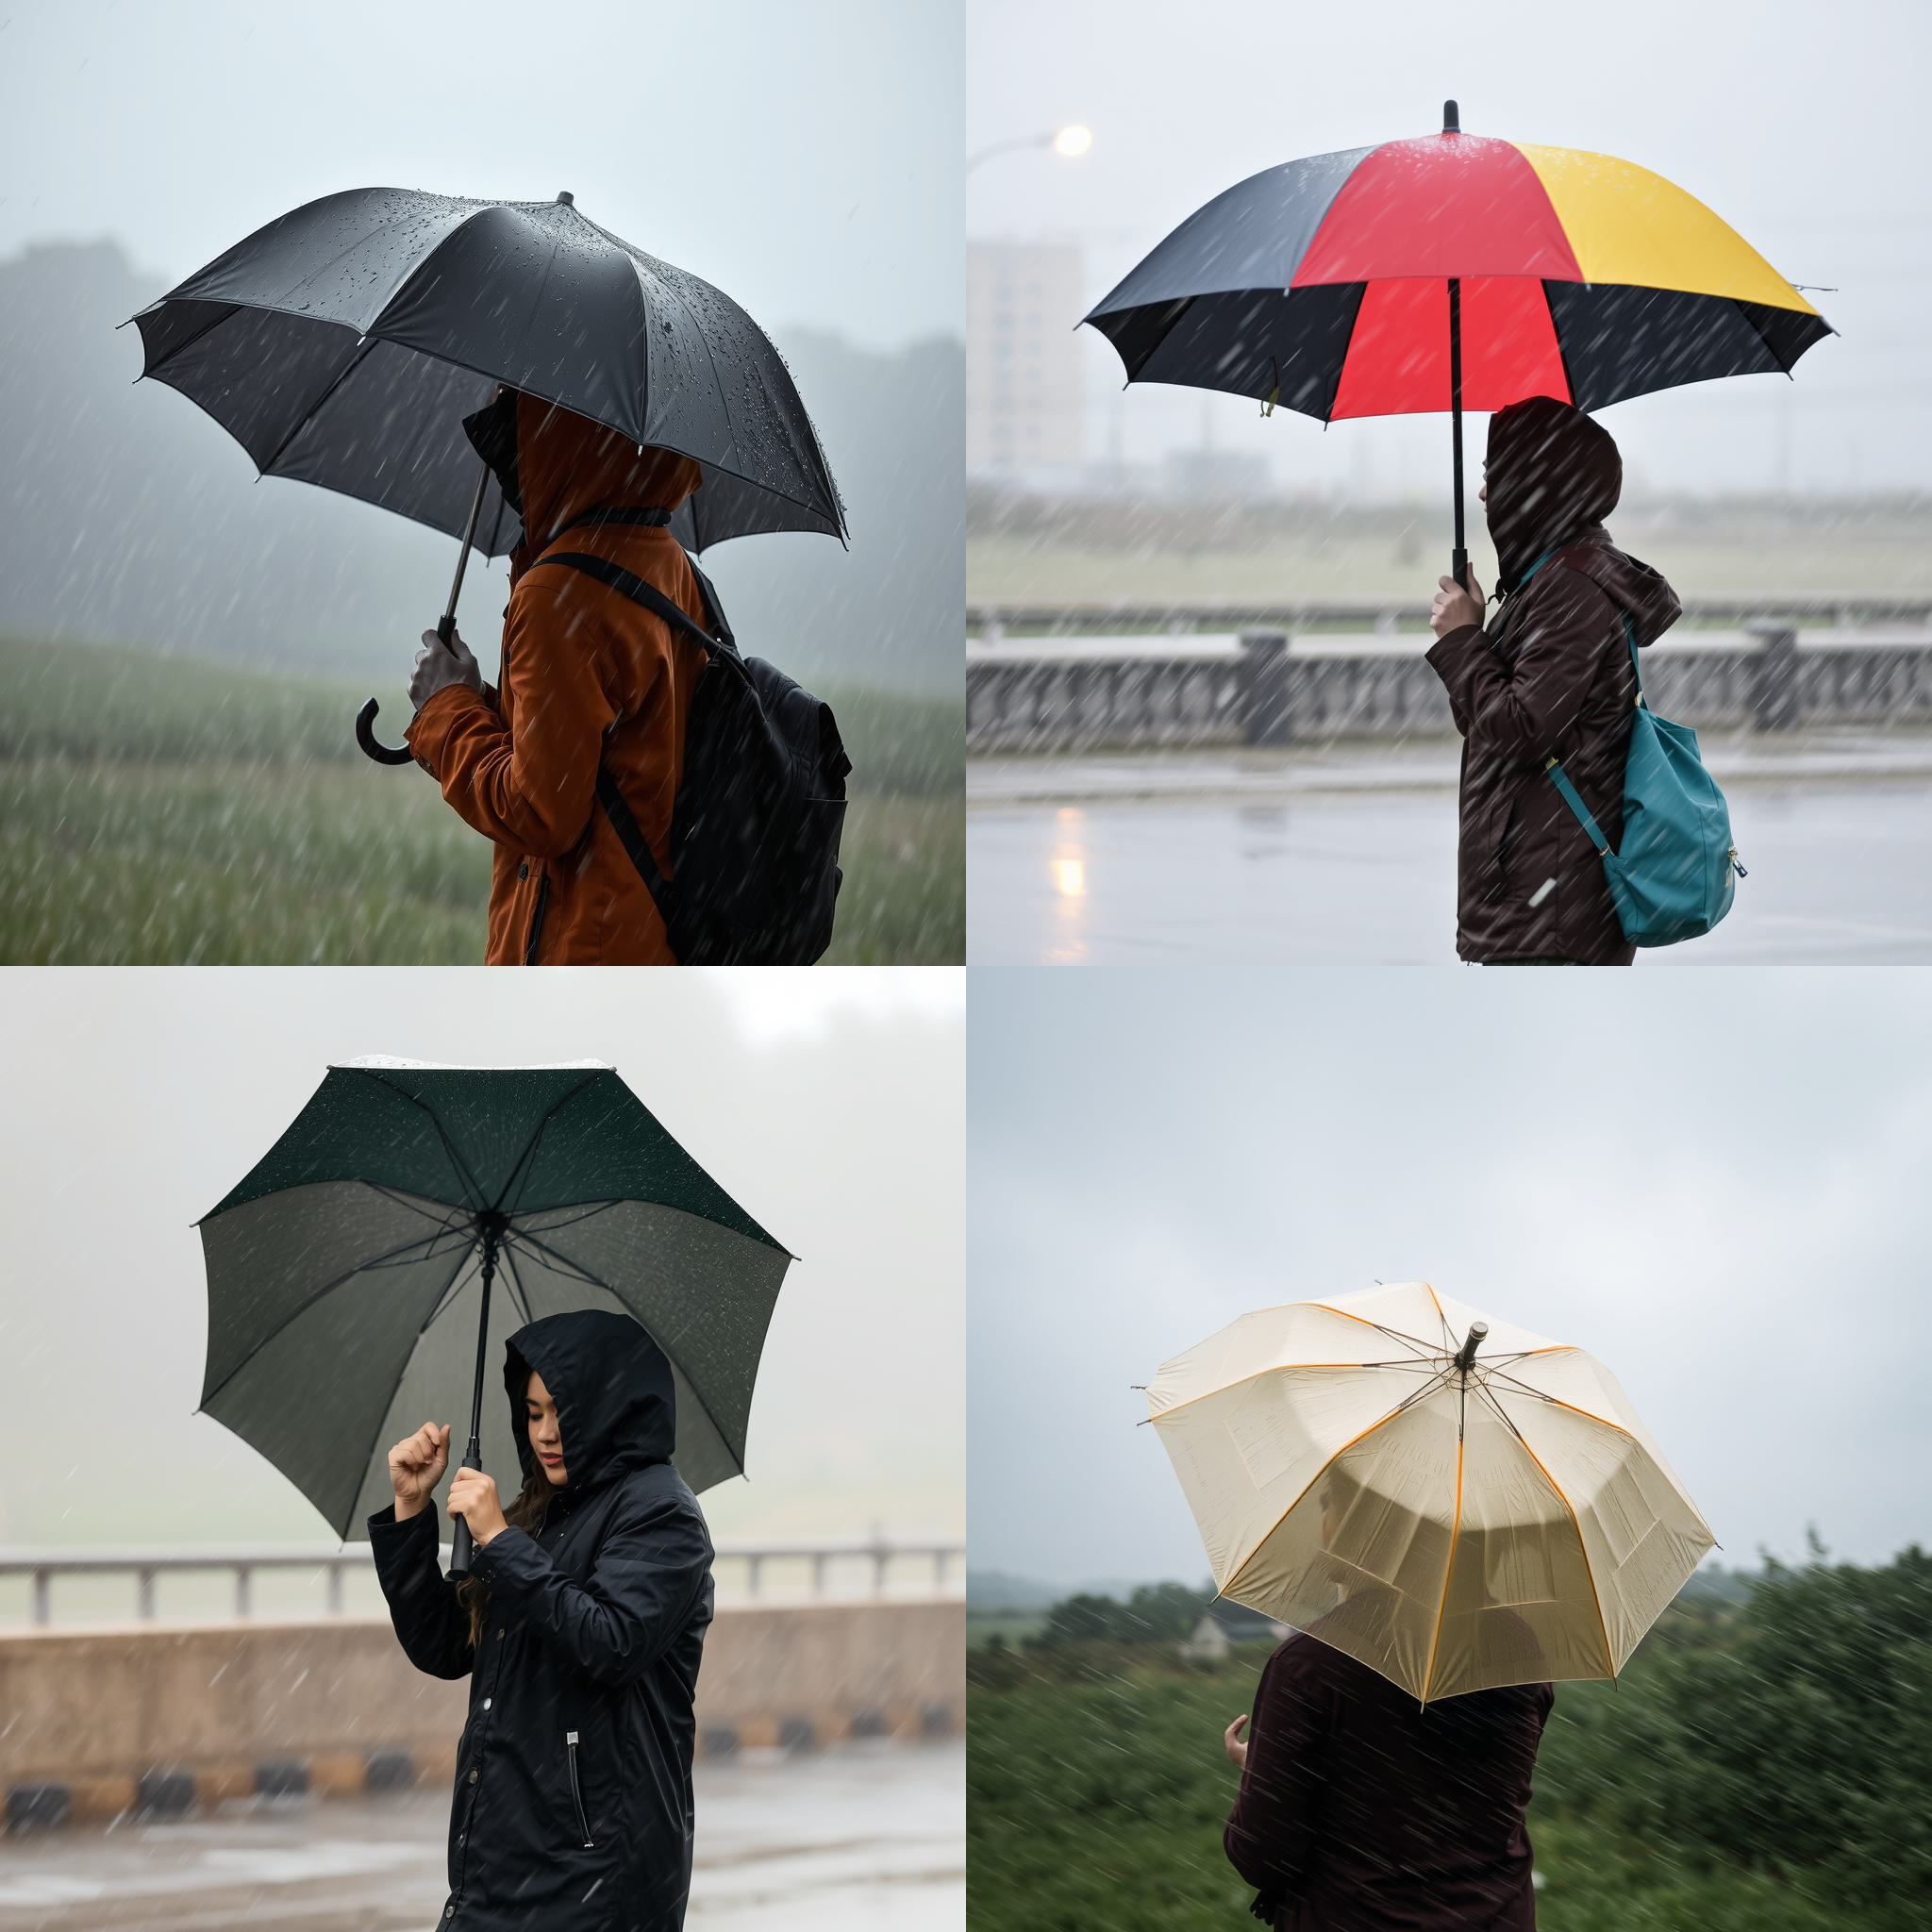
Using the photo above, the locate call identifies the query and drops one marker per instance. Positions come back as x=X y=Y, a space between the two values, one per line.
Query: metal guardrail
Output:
x=1077 y=690
x=144 y=1564
x=992 y=617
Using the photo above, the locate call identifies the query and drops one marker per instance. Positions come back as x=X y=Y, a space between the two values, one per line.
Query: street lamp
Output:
x=1069 y=143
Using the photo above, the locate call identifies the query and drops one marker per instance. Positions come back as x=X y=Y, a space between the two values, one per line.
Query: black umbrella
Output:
x=344 y=343
x=350 y=1274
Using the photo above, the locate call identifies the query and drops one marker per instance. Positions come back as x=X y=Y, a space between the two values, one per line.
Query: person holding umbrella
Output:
x=1552 y=677
x=586 y=673
x=1361 y=1807
x=580 y=1626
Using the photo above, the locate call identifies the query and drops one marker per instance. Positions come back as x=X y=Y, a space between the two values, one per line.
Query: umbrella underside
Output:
x=1517 y=1526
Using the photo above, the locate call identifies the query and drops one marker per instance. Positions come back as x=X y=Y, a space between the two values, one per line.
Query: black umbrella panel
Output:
x=344 y=343
x=361 y=1275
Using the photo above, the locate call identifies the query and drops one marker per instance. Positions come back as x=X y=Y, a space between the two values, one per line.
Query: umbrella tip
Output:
x=1452 y=122
x=566 y=199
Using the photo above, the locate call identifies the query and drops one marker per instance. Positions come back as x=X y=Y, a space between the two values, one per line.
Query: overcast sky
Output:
x=829 y=1106
x=1718 y=1190
x=805 y=159
x=1798 y=124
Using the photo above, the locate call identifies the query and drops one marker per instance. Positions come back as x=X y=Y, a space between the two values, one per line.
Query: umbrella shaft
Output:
x=1459 y=566
x=482 y=1343
x=449 y=615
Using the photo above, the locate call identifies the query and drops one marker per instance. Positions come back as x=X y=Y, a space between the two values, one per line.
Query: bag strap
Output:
x=630 y=835
x=655 y=515
x=1561 y=778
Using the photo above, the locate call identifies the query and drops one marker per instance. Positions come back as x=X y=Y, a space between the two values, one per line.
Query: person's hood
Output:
x=554 y=464
x=1554 y=475
x=616 y=1404
x=1550 y=473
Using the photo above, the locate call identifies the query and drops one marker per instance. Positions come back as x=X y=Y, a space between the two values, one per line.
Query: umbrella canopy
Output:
x=1325 y=283
x=1453 y=1500
x=343 y=344
x=346 y=1271
x=1453 y=272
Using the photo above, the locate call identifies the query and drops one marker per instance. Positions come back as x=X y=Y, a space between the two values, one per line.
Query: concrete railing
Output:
x=155 y=1720
x=744 y=1565
x=1072 y=690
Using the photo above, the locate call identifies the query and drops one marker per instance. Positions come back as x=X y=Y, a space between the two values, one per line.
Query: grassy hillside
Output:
x=160 y=809
x=1762 y=1767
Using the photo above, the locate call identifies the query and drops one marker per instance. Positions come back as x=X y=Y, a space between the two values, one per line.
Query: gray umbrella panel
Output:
x=343 y=344
x=289 y=1309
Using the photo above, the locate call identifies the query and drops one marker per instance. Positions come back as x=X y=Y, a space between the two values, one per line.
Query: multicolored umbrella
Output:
x=1346 y=284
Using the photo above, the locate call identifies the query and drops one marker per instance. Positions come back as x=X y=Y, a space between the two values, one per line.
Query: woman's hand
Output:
x=472 y=1496
x=1454 y=606
x=438 y=664
x=1237 y=1747
x=416 y=1465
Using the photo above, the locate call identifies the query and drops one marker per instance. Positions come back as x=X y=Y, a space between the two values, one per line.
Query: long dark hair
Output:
x=525 y=1510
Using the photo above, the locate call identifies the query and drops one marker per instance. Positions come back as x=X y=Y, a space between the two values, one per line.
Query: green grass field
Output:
x=160 y=810
x=1101 y=1803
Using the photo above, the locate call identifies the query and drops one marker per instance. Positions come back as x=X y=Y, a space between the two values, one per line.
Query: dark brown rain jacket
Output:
x=586 y=673
x=1549 y=676
x=1361 y=1810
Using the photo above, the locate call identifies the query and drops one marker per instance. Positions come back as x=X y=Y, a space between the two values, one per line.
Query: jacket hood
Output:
x=1552 y=473
x=554 y=464
x=1641 y=593
x=616 y=1403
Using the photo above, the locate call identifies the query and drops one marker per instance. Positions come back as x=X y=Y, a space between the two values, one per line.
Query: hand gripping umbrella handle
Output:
x=461 y=1542
x=373 y=747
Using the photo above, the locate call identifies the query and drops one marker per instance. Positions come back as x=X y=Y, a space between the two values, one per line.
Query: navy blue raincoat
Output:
x=573 y=1801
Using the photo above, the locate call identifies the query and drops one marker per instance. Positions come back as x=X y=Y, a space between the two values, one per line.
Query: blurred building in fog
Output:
x=1024 y=418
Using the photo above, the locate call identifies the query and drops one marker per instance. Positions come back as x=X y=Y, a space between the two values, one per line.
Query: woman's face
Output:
x=545 y=1438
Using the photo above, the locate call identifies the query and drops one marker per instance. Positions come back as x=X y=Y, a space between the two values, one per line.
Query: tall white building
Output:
x=1024 y=421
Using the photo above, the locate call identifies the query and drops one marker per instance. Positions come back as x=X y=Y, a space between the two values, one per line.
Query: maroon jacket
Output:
x=1550 y=674
x=1361 y=1810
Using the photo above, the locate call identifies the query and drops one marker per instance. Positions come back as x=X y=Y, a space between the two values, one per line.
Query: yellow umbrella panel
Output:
x=1454 y=1514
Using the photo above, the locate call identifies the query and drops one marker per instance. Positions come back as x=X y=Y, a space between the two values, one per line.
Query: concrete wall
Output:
x=206 y=1712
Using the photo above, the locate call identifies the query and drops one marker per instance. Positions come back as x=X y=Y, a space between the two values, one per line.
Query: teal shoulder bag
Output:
x=1676 y=870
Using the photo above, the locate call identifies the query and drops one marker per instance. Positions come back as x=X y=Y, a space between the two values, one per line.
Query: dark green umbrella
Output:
x=350 y=1274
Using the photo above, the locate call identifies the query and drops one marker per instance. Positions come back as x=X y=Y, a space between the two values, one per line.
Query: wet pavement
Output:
x=865 y=1836
x=1081 y=860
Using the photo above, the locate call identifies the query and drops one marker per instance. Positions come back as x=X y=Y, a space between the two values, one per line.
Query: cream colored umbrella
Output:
x=1448 y=1498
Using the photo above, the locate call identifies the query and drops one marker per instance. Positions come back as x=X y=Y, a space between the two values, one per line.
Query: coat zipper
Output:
x=576 y=1793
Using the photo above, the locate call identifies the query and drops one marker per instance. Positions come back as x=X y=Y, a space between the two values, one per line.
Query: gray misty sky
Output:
x=1799 y=124
x=830 y=1105
x=794 y=155
x=1717 y=1190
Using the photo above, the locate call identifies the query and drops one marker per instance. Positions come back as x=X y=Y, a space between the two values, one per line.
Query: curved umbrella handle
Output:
x=373 y=747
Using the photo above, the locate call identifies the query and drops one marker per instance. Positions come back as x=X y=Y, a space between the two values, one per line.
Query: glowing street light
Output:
x=1069 y=143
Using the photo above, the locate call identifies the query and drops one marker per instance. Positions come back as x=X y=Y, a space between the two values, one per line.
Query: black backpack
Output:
x=760 y=801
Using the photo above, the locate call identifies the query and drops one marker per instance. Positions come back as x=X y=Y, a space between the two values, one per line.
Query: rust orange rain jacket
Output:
x=586 y=673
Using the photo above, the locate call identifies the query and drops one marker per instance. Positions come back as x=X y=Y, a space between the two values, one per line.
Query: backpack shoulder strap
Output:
x=632 y=586
x=630 y=835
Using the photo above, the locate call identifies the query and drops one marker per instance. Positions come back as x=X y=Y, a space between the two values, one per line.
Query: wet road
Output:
x=862 y=1838
x=1840 y=872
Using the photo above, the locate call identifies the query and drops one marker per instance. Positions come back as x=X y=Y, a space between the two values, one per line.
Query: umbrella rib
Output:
x=1454 y=1535
x=1576 y=1524
x=1409 y=1400
x=309 y=415
x=520 y=1174
x=376 y=1434
x=596 y=1281
x=464 y=1173
x=592 y=1209
x=446 y=1294
x=509 y=1263
x=413 y=1202
x=228 y=314
x=1283 y=1368
x=1558 y=1402
x=390 y=1257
